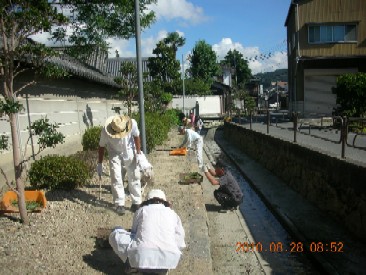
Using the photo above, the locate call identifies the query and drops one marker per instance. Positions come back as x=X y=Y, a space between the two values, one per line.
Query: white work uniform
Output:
x=193 y=140
x=121 y=152
x=155 y=241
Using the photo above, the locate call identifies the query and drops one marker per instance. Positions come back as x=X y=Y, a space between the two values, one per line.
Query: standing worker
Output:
x=199 y=125
x=193 y=141
x=121 y=137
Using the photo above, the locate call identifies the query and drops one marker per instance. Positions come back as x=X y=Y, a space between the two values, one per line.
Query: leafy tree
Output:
x=351 y=94
x=93 y=21
x=203 y=62
x=164 y=66
x=197 y=87
x=235 y=60
x=18 y=20
x=128 y=81
x=174 y=40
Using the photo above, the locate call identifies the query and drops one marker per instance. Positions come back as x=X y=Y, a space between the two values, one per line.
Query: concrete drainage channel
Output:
x=251 y=239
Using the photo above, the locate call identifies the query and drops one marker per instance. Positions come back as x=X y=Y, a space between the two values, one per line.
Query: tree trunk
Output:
x=18 y=170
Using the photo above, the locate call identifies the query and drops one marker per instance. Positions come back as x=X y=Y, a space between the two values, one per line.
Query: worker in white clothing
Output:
x=193 y=140
x=156 y=239
x=121 y=137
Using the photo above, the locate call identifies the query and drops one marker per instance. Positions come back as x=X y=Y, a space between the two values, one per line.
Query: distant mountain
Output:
x=268 y=77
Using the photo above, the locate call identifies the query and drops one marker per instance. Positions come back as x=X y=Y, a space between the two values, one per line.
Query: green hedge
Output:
x=90 y=139
x=157 y=126
x=58 y=172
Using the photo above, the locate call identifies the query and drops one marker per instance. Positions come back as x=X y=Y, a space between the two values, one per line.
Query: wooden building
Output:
x=326 y=38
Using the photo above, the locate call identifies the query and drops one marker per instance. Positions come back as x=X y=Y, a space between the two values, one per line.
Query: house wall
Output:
x=73 y=104
x=311 y=94
x=330 y=183
x=331 y=11
x=208 y=105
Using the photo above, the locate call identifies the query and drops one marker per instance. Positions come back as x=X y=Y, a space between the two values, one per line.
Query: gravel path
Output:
x=62 y=239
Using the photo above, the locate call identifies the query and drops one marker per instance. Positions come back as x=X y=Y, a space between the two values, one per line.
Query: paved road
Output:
x=326 y=140
x=306 y=223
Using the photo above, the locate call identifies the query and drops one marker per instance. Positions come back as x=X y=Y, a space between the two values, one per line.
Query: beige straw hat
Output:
x=118 y=126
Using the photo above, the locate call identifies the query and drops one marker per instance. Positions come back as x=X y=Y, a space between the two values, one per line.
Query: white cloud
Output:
x=181 y=10
x=120 y=45
x=258 y=61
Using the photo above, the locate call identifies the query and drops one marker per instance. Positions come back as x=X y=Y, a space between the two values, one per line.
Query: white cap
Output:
x=156 y=193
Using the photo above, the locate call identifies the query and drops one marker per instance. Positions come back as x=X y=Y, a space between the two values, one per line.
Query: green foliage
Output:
x=48 y=135
x=197 y=86
x=203 y=62
x=58 y=172
x=174 y=40
x=235 y=60
x=4 y=142
x=95 y=21
x=166 y=97
x=90 y=158
x=90 y=138
x=128 y=81
x=10 y=106
x=163 y=67
x=53 y=71
x=351 y=94
x=157 y=126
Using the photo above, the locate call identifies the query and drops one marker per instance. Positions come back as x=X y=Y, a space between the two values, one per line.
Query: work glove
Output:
x=99 y=169
x=139 y=158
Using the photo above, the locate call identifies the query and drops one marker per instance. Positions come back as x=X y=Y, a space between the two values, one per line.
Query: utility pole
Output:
x=184 y=88
x=139 y=74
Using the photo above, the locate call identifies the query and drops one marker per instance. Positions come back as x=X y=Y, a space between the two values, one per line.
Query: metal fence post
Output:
x=251 y=118
x=268 y=121
x=344 y=136
x=294 y=117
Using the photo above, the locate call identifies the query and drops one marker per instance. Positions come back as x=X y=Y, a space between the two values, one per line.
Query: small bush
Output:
x=158 y=126
x=58 y=172
x=90 y=158
x=90 y=139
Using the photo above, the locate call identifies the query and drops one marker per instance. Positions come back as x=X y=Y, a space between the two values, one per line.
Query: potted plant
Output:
x=35 y=201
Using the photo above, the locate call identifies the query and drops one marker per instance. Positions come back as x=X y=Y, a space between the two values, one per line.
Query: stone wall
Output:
x=332 y=184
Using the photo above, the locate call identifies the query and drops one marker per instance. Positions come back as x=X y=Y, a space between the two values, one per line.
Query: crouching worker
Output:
x=156 y=239
x=229 y=194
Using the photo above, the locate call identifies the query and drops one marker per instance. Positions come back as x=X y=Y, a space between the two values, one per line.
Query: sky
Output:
x=253 y=27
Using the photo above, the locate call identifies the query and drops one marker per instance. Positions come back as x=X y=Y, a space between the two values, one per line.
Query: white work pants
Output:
x=116 y=162
x=199 y=148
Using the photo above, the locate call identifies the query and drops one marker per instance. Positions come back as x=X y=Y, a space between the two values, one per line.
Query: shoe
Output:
x=120 y=210
x=134 y=207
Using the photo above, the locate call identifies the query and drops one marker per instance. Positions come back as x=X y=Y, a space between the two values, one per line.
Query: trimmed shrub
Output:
x=58 y=172
x=157 y=126
x=90 y=139
x=90 y=158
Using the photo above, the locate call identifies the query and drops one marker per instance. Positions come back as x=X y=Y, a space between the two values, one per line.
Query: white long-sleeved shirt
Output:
x=158 y=238
x=190 y=137
x=124 y=146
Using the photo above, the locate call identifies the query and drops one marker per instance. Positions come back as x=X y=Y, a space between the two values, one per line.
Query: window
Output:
x=332 y=33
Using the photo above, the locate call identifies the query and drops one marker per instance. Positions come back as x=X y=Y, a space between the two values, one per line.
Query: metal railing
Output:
x=335 y=129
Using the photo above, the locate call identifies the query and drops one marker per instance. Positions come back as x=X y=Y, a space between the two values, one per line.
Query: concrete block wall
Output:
x=332 y=184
